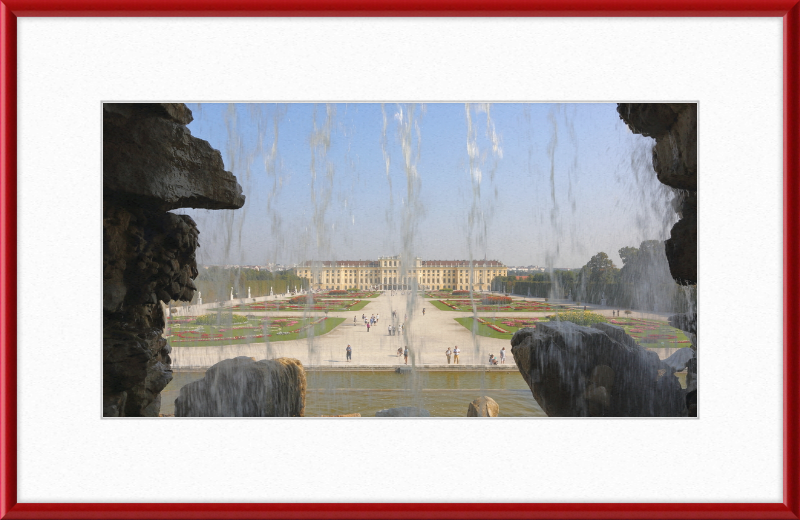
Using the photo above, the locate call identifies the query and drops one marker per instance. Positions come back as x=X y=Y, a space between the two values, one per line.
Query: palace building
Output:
x=389 y=273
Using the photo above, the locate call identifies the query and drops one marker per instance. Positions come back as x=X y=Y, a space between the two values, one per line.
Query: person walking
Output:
x=503 y=356
x=349 y=352
x=367 y=326
x=447 y=353
x=423 y=311
x=456 y=352
x=405 y=354
x=390 y=330
x=354 y=320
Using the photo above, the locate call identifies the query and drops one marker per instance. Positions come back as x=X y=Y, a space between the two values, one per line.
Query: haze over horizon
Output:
x=525 y=184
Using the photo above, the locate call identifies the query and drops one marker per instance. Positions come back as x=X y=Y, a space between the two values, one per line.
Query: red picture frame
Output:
x=789 y=10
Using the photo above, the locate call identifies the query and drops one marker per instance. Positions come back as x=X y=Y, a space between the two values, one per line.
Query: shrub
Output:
x=460 y=293
x=585 y=318
x=301 y=298
x=337 y=292
x=628 y=312
x=224 y=319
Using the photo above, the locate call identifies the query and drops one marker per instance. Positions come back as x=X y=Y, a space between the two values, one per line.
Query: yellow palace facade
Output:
x=390 y=273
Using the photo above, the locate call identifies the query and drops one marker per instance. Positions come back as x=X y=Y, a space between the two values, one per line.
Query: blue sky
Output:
x=546 y=184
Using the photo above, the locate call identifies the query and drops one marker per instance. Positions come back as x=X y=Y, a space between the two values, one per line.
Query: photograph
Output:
x=399 y=259
x=325 y=238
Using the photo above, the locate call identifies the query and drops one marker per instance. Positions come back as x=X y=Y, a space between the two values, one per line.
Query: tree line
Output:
x=215 y=283
x=642 y=283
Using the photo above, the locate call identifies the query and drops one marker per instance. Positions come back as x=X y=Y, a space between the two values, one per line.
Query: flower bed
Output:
x=254 y=332
x=496 y=300
x=501 y=304
x=648 y=333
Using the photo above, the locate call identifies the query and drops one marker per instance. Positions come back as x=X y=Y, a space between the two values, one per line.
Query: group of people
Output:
x=455 y=352
x=493 y=359
x=396 y=330
x=369 y=322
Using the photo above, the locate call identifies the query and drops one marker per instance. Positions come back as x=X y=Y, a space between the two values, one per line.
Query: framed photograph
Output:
x=65 y=65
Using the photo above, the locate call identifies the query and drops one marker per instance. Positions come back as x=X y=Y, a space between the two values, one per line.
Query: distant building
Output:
x=389 y=273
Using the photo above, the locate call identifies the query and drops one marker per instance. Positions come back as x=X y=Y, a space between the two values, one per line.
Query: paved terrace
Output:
x=427 y=337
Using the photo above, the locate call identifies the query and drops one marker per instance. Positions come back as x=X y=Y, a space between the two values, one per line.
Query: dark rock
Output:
x=648 y=119
x=151 y=163
x=242 y=387
x=403 y=411
x=483 y=407
x=681 y=250
x=674 y=128
x=675 y=153
x=576 y=371
x=616 y=333
x=151 y=157
x=680 y=359
x=684 y=322
x=114 y=404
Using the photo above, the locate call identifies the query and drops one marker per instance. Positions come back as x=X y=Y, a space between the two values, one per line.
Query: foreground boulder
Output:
x=242 y=387
x=598 y=371
x=483 y=407
x=403 y=411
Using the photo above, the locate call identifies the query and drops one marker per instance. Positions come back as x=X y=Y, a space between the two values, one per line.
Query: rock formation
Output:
x=674 y=128
x=403 y=411
x=151 y=164
x=688 y=323
x=242 y=387
x=483 y=407
x=597 y=371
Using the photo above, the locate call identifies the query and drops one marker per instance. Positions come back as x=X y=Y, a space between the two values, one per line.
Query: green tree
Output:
x=628 y=254
x=600 y=269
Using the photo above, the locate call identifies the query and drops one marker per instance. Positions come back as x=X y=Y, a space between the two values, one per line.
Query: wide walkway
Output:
x=426 y=336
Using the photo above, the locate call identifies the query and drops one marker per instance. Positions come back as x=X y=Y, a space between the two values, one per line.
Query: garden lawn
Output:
x=647 y=333
x=489 y=326
x=441 y=294
x=441 y=306
x=464 y=305
x=652 y=333
x=185 y=333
